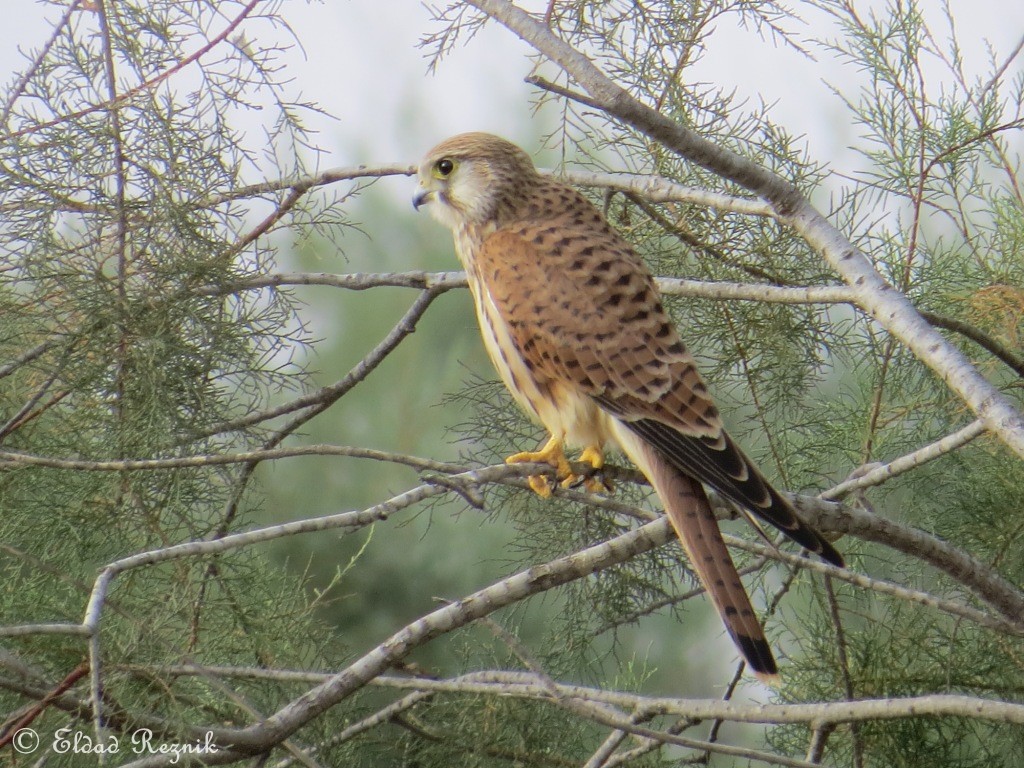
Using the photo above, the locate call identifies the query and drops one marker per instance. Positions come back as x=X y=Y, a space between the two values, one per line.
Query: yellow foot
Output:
x=552 y=453
x=594 y=483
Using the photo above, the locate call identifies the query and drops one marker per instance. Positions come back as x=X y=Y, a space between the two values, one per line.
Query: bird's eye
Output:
x=444 y=167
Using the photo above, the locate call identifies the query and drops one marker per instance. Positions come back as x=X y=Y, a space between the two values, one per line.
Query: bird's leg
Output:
x=552 y=453
x=595 y=483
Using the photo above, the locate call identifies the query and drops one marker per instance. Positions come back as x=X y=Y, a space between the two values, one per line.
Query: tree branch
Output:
x=305 y=183
x=288 y=719
x=986 y=581
x=23 y=630
x=528 y=684
x=445 y=281
x=883 y=472
x=826 y=515
x=658 y=189
x=14 y=458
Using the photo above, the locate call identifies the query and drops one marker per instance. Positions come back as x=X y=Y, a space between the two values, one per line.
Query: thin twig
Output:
x=306 y=183
x=632 y=616
x=992 y=345
x=15 y=458
x=27 y=357
x=905 y=463
x=1001 y=70
x=658 y=189
x=1011 y=624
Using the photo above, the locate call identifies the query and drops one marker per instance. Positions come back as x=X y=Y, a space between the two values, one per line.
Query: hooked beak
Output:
x=421 y=196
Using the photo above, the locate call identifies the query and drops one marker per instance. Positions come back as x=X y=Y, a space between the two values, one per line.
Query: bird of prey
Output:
x=575 y=326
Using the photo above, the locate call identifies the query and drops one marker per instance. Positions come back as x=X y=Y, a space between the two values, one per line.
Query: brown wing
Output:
x=583 y=309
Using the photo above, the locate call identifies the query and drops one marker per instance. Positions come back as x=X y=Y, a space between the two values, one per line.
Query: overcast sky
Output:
x=363 y=65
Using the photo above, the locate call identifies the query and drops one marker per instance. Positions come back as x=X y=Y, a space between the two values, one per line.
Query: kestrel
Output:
x=573 y=321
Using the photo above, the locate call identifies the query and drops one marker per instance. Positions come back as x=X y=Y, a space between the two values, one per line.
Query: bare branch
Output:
x=304 y=184
x=811 y=294
x=356 y=281
x=658 y=189
x=43 y=702
x=609 y=716
x=537 y=579
x=27 y=357
x=819 y=738
x=600 y=757
x=930 y=452
x=23 y=630
x=444 y=281
x=348 y=520
x=528 y=685
x=14 y=458
x=995 y=347
x=654 y=188
x=826 y=515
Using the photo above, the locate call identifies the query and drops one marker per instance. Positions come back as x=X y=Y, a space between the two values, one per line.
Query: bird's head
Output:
x=473 y=179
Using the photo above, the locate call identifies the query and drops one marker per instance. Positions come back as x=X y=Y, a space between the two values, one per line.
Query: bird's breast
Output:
x=561 y=407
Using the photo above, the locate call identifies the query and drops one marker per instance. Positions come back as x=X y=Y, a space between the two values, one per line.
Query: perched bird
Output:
x=573 y=321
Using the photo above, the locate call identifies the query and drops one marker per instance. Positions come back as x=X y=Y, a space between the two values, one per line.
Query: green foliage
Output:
x=123 y=344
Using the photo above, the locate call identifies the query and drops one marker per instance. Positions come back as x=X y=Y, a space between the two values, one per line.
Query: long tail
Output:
x=690 y=513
